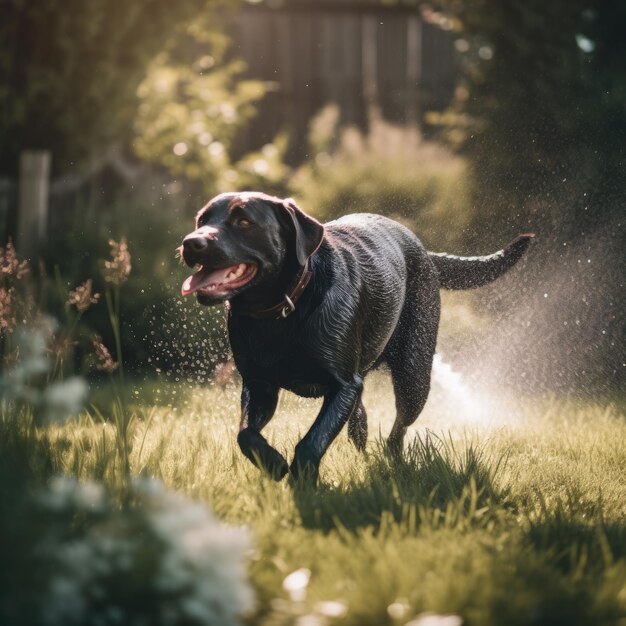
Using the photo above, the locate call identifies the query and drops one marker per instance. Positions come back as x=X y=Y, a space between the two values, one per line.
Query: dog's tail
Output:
x=466 y=272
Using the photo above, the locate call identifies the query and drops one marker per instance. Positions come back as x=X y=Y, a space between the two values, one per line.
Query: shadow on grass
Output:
x=26 y=459
x=433 y=483
x=575 y=532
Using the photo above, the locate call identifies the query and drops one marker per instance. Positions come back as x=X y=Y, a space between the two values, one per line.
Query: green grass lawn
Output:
x=513 y=514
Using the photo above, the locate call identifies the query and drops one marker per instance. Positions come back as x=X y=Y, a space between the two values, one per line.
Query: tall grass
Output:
x=519 y=521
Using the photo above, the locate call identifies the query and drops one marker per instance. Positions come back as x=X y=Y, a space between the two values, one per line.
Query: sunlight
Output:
x=312 y=313
x=476 y=406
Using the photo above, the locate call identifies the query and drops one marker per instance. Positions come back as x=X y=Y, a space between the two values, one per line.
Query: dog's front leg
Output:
x=337 y=407
x=258 y=403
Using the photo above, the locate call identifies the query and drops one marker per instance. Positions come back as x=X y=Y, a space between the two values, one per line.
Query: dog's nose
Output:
x=194 y=243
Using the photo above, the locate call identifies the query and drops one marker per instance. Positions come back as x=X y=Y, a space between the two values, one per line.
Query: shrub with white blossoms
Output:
x=160 y=560
x=27 y=381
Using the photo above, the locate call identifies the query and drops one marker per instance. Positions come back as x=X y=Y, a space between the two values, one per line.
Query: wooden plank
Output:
x=32 y=221
x=369 y=55
x=392 y=65
x=414 y=61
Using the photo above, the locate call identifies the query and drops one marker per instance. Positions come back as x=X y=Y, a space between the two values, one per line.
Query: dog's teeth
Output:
x=235 y=273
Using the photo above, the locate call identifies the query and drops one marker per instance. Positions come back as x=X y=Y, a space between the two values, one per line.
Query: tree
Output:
x=69 y=71
x=192 y=103
x=540 y=111
x=542 y=102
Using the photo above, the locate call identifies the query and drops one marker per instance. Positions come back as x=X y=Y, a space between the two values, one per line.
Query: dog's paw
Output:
x=304 y=472
x=275 y=466
x=268 y=460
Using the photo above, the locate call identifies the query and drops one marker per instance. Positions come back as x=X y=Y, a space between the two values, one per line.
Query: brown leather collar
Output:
x=288 y=304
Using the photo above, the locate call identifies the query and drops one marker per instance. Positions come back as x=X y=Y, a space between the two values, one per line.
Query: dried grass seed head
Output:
x=83 y=297
x=117 y=270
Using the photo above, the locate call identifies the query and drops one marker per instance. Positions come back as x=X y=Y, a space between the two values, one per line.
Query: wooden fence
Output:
x=355 y=54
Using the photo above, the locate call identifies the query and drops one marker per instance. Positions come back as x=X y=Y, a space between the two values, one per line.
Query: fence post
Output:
x=369 y=54
x=413 y=70
x=32 y=217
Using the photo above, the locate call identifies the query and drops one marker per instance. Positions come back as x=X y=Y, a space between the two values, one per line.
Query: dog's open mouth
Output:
x=218 y=282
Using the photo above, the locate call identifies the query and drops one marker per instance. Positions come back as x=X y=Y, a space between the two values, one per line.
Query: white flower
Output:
x=164 y=548
x=398 y=609
x=64 y=399
x=295 y=584
x=310 y=620
x=25 y=383
x=331 y=608
x=432 y=619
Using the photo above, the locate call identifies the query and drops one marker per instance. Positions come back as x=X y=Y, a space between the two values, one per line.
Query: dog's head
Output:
x=246 y=241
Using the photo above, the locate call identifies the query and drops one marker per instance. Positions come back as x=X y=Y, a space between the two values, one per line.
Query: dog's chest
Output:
x=284 y=359
x=294 y=371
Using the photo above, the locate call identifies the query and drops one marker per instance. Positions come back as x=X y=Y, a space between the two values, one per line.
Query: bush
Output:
x=193 y=104
x=392 y=171
x=103 y=47
x=161 y=559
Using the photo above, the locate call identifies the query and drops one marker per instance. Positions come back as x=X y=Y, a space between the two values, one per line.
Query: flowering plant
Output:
x=26 y=383
x=161 y=559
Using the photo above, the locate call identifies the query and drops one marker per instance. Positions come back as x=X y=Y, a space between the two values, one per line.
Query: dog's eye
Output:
x=243 y=222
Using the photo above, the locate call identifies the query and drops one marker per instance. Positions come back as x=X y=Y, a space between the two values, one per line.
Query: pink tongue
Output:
x=202 y=279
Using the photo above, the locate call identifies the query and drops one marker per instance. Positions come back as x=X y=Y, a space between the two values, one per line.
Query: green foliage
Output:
x=69 y=71
x=160 y=331
x=265 y=169
x=540 y=109
x=390 y=171
x=192 y=103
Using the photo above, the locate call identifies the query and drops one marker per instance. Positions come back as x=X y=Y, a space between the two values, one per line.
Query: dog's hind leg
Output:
x=409 y=355
x=357 y=427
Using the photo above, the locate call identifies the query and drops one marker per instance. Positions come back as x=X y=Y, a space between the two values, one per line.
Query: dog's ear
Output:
x=309 y=233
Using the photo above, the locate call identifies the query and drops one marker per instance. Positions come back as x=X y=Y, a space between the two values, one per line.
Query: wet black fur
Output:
x=373 y=298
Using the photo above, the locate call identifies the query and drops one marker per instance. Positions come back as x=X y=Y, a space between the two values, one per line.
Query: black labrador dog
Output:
x=313 y=308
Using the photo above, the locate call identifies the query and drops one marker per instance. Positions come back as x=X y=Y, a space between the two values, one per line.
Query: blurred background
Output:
x=470 y=121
